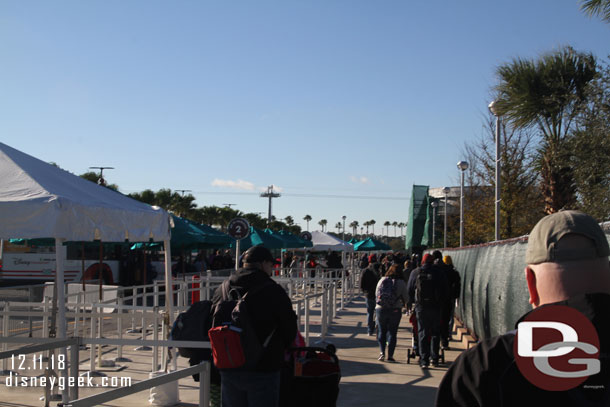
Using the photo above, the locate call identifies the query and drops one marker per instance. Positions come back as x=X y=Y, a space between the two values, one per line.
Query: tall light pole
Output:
x=462 y=166
x=494 y=111
x=445 y=192
x=101 y=181
x=343 y=217
x=269 y=194
x=434 y=205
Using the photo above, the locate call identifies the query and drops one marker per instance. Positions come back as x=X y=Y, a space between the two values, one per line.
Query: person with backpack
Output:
x=368 y=284
x=429 y=291
x=274 y=324
x=391 y=295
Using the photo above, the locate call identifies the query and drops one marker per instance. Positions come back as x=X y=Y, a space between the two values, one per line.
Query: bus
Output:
x=27 y=263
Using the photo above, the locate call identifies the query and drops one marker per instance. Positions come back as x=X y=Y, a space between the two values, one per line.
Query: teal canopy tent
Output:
x=290 y=241
x=259 y=237
x=299 y=243
x=369 y=244
x=190 y=235
x=353 y=241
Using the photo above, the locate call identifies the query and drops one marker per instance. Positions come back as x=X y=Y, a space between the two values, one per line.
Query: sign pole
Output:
x=237 y=254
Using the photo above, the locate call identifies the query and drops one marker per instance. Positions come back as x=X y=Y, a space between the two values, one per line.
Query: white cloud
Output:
x=239 y=184
x=360 y=180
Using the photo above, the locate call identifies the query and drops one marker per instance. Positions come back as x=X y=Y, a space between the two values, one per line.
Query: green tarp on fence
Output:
x=494 y=292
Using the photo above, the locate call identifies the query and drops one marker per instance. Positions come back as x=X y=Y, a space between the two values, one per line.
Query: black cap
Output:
x=258 y=254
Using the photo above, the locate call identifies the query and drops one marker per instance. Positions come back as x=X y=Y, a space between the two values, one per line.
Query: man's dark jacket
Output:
x=368 y=281
x=269 y=308
x=439 y=279
x=487 y=375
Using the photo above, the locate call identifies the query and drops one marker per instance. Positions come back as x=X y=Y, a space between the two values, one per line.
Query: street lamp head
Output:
x=462 y=165
x=343 y=217
x=446 y=190
x=493 y=108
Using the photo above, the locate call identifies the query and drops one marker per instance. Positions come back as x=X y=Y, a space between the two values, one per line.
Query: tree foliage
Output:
x=590 y=147
x=548 y=94
x=597 y=8
x=520 y=194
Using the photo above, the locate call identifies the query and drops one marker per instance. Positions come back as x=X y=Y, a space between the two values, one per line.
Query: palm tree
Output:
x=599 y=8
x=354 y=226
x=394 y=224
x=367 y=224
x=548 y=93
x=372 y=223
x=401 y=225
x=289 y=220
x=338 y=227
x=307 y=218
x=323 y=223
x=387 y=227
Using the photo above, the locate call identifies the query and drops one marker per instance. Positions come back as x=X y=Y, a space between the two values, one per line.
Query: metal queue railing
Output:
x=317 y=295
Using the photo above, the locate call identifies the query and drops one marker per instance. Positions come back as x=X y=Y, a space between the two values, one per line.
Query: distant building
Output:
x=453 y=200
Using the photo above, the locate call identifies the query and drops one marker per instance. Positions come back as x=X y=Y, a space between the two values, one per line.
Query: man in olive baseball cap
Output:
x=566 y=264
x=567 y=255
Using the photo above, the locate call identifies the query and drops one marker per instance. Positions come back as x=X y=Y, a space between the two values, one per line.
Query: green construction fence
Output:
x=494 y=292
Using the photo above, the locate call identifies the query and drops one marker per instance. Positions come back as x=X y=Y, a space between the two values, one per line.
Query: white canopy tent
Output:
x=323 y=242
x=39 y=200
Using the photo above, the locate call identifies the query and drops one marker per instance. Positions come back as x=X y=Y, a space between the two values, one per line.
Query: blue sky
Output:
x=321 y=98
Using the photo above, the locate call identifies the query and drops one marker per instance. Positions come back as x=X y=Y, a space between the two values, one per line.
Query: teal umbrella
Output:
x=259 y=237
x=369 y=244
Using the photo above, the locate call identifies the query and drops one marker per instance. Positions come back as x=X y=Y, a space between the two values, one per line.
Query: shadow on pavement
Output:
x=384 y=394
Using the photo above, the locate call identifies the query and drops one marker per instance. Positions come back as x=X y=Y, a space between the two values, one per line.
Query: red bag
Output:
x=226 y=347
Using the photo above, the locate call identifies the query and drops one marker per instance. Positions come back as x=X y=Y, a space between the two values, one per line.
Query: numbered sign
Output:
x=306 y=236
x=239 y=228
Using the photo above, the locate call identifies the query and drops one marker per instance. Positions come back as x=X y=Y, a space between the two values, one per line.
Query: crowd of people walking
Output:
x=394 y=284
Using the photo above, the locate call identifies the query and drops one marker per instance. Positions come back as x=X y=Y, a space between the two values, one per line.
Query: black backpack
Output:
x=193 y=325
x=426 y=288
x=235 y=344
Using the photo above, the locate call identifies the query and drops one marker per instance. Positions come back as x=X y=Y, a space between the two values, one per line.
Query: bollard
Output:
x=196 y=291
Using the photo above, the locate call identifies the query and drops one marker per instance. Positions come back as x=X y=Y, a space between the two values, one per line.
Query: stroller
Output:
x=413 y=351
x=310 y=378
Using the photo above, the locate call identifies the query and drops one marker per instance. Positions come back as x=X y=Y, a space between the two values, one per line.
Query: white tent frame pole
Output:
x=169 y=294
x=59 y=281
x=61 y=307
